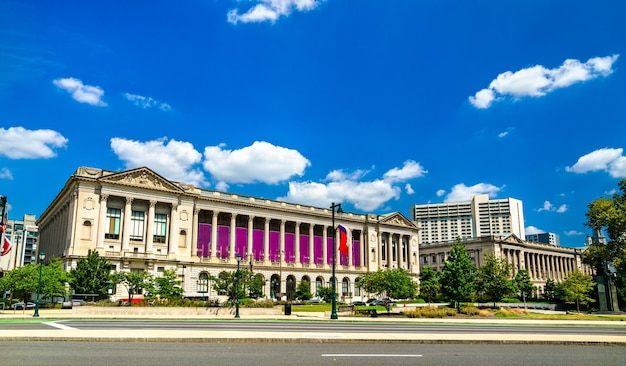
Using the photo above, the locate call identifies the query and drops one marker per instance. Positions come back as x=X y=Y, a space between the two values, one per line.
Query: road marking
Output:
x=60 y=326
x=364 y=355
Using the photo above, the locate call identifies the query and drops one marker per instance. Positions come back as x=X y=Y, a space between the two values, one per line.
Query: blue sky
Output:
x=375 y=104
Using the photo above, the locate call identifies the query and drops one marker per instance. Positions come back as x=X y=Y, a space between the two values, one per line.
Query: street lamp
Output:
x=237 y=288
x=42 y=256
x=333 y=280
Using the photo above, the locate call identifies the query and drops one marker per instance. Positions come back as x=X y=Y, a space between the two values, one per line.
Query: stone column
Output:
x=231 y=236
x=282 y=240
x=311 y=247
x=102 y=222
x=249 y=254
x=266 y=240
x=324 y=245
x=296 y=249
x=126 y=225
x=194 y=233
x=173 y=245
x=150 y=226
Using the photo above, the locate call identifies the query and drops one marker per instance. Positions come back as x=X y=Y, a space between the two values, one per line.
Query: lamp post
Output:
x=42 y=256
x=237 y=288
x=333 y=280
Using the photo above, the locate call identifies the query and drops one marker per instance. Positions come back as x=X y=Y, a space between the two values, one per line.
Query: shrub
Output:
x=469 y=309
x=430 y=312
x=508 y=312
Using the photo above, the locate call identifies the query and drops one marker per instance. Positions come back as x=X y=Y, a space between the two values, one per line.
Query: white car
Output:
x=20 y=305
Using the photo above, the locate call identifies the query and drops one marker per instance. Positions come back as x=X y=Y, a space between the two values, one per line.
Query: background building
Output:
x=545 y=238
x=140 y=221
x=479 y=217
x=24 y=236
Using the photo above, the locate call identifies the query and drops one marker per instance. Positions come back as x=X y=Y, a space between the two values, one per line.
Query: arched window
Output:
x=203 y=283
x=345 y=286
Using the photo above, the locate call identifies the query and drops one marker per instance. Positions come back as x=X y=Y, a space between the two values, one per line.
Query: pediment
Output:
x=512 y=238
x=397 y=219
x=143 y=178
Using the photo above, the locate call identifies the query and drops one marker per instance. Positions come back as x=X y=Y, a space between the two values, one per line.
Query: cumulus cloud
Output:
x=606 y=159
x=463 y=193
x=573 y=233
x=346 y=187
x=531 y=230
x=260 y=162
x=409 y=189
x=547 y=206
x=5 y=173
x=270 y=10
x=80 y=92
x=147 y=102
x=537 y=81
x=172 y=159
x=20 y=143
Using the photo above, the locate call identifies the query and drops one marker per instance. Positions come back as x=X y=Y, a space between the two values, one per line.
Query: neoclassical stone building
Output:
x=139 y=220
x=542 y=261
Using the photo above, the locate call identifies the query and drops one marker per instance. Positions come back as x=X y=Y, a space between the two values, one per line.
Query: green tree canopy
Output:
x=92 y=275
x=577 y=287
x=493 y=279
x=524 y=284
x=168 y=286
x=21 y=281
x=303 y=291
x=395 y=283
x=134 y=281
x=458 y=275
x=429 y=286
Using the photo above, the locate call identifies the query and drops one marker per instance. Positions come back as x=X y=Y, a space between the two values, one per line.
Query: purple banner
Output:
x=329 y=251
x=317 y=250
x=222 y=241
x=356 y=253
x=241 y=242
x=204 y=240
x=274 y=246
x=304 y=248
x=290 y=245
x=257 y=244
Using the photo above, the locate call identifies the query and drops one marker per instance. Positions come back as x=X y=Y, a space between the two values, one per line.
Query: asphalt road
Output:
x=318 y=327
x=52 y=353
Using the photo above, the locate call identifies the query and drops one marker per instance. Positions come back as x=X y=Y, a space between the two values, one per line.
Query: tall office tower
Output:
x=444 y=222
x=545 y=238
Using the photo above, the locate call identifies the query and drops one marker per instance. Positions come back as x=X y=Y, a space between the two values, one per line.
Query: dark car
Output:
x=358 y=303
x=378 y=303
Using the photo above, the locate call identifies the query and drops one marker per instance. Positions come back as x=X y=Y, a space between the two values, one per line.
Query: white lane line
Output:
x=364 y=355
x=60 y=326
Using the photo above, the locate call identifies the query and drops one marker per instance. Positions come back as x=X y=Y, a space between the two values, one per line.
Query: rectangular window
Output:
x=113 y=223
x=136 y=226
x=160 y=228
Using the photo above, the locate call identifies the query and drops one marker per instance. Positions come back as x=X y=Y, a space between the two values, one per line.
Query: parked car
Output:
x=315 y=300
x=358 y=303
x=78 y=302
x=20 y=305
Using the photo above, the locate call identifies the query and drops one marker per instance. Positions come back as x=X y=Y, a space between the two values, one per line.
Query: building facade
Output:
x=139 y=220
x=23 y=235
x=442 y=222
x=545 y=238
x=543 y=261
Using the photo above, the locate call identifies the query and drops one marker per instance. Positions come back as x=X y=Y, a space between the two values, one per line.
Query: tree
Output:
x=134 y=282
x=167 y=286
x=21 y=281
x=92 y=275
x=494 y=279
x=576 y=288
x=429 y=283
x=458 y=275
x=524 y=284
x=255 y=285
x=303 y=291
x=325 y=293
x=54 y=279
x=609 y=215
x=224 y=284
x=395 y=283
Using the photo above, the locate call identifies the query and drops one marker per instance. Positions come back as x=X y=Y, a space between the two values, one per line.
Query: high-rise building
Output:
x=23 y=235
x=445 y=222
x=545 y=238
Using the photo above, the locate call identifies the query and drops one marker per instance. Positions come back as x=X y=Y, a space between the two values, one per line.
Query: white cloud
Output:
x=463 y=193
x=409 y=189
x=5 y=173
x=537 y=81
x=81 y=92
x=147 y=102
x=531 y=230
x=606 y=159
x=503 y=134
x=573 y=233
x=260 y=162
x=409 y=170
x=174 y=159
x=270 y=10
x=20 y=143
x=441 y=192
x=346 y=187
x=547 y=206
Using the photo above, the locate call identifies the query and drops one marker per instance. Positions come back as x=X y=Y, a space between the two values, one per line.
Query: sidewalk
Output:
x=58 y=330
